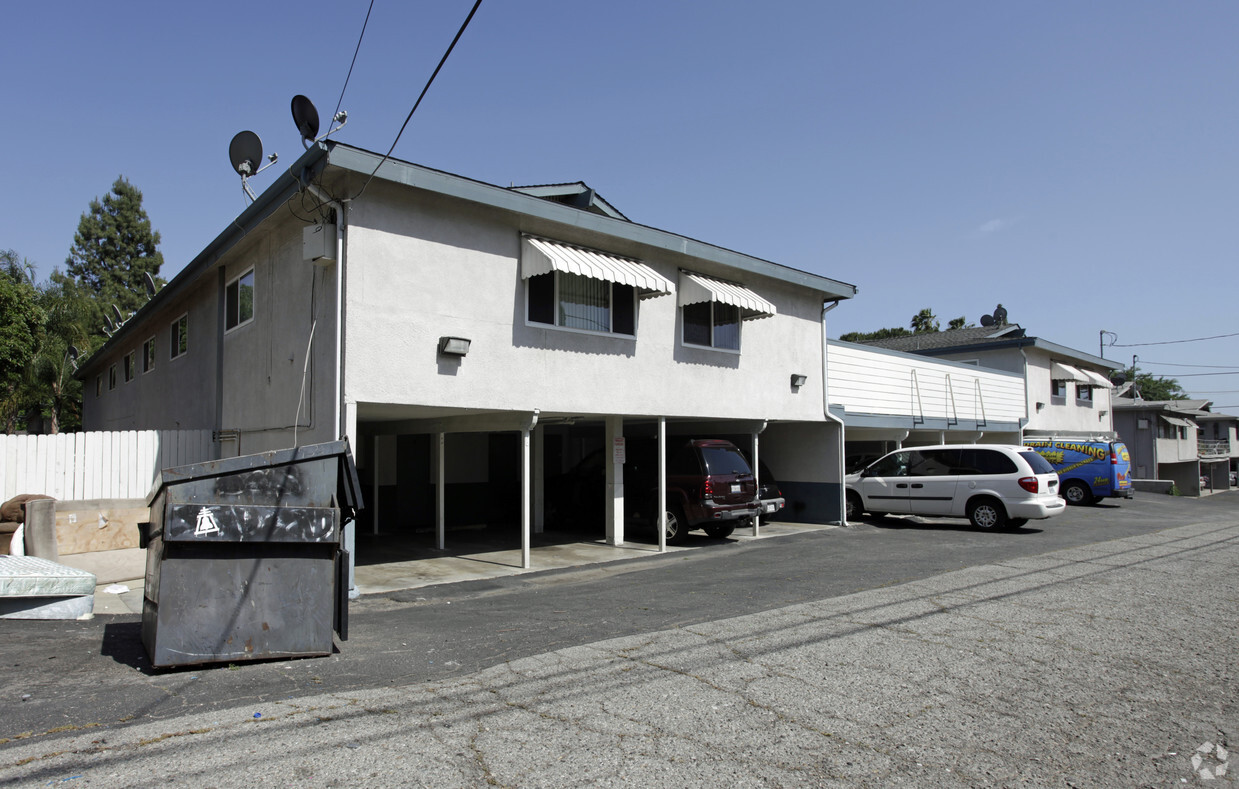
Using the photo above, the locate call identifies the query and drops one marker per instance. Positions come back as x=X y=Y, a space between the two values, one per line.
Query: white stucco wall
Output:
x=421 y=267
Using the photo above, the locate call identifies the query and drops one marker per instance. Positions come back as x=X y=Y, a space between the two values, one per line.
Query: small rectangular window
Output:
x=1084 y=393
x=148 y=355
x=98 y=385
x=111 y=378
x=131 y=365
x=1058 y=389
x=572 y=301
x=178 y=342
x=712 y=324
x=239 y=301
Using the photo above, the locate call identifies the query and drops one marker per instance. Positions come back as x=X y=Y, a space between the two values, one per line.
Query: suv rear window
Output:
x=1039 y=464
x=721 y=460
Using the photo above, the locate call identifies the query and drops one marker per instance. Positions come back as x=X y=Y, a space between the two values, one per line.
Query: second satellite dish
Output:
x=305 y=115
x=245 y=151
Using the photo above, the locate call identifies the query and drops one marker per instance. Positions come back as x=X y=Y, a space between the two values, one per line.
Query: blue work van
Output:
x=1087 y=470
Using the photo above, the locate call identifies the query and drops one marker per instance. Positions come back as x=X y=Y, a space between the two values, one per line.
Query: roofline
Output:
x=910 y=354
x=274 y=196
x=358 y=160
x=1019 y=342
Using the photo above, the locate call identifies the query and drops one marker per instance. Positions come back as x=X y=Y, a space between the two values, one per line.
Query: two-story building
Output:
x=1167 y=443
x=471 y=341
x=1067 y=393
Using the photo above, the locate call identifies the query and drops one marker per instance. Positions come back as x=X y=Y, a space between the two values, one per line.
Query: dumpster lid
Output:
x=348 y=487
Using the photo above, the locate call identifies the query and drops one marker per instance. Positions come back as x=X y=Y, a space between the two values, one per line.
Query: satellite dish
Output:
x=119 y=318
x=305 y=115
x=987 y=320
x=74 y=352
x=1000 y=314
x=149 y=281
x=245 y=151
x=107 y=324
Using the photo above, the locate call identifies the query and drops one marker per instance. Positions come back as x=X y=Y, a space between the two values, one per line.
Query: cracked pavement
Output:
x=1104 y=664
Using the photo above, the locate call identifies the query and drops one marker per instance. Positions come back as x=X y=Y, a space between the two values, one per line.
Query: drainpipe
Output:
x=827 y=306
x=341 y=209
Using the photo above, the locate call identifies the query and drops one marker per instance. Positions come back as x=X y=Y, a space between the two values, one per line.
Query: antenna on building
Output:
x=149 y=282
x=305 y=116
x=245 y=153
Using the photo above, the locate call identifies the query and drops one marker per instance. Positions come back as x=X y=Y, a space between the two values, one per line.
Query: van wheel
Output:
x=1076 y=492
x=854 y=507
x=677 y=526
x=719 y=531
x=987 y=514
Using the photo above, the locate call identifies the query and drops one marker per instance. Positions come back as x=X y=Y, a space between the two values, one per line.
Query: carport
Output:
x=430 y=471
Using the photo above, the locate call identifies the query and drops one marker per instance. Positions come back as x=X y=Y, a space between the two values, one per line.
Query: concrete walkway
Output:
x=1110 y=664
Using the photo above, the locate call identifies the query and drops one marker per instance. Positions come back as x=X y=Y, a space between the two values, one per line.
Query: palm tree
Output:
x=924 y=321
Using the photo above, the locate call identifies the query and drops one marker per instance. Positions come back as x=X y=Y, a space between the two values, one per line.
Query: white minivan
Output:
x=995 y=486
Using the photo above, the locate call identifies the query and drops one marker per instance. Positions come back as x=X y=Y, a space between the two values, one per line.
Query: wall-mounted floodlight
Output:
x=454 y=346
x=798 y=380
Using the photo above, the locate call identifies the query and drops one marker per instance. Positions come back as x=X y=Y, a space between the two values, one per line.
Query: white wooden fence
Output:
x=71 y=466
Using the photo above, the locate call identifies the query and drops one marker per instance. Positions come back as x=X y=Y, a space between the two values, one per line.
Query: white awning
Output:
x=695 y=288
x=540 y=256
x=1174 y=420
x=1097 y=379
x=1065 y=372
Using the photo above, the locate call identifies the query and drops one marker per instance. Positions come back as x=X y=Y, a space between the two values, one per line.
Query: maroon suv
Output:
x=710 y=486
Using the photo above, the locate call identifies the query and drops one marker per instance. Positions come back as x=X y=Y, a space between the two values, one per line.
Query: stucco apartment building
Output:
x=472 y=341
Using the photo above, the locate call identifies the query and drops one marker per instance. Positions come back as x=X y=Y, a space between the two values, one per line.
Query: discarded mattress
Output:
x=34 y=588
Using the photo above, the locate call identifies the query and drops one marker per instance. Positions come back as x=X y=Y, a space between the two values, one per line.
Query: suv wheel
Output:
x=987 y=514
x=677 y=526
x=720 y=531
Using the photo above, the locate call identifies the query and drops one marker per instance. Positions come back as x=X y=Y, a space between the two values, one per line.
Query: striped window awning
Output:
x=1097 y=379
x=1065 y=372
x=541 y=256
x=696 y=288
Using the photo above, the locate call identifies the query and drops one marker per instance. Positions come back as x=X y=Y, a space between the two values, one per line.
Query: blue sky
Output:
x=1078 y=162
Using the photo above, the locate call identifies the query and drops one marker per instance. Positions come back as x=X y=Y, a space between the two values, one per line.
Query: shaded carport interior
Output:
x=483 y=470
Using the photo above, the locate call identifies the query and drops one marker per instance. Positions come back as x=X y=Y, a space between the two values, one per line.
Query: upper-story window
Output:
x=583 y=289
x=1084 y=393
x=239 y=301
x=178 y=341
x=131 y=366
x=111 y=378
x=1058 y=389
x=713 y=311
x=148 y=355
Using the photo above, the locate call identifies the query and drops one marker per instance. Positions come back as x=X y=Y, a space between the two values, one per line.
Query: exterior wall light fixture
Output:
x=798 y=380
x=454 y=346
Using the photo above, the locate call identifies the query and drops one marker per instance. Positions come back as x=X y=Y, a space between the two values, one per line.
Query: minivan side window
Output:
x=987 y=461
x=893 y=465
x=933 y=462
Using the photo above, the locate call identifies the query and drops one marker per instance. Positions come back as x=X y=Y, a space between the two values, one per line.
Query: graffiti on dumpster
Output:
x=249 y=523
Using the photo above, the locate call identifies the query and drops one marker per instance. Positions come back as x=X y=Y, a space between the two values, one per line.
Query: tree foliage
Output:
x=1154 y=387
x=21 y=321
x=113 y=248
x=924 y=321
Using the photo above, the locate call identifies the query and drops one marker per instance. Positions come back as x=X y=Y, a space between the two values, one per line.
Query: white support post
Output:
x=440 y=493
x=757 y=477
x=614 y=498
x=526 y=485
x=662 y=485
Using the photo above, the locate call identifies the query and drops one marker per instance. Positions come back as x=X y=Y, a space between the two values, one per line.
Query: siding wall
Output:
x=101 y=465
x=868 y=381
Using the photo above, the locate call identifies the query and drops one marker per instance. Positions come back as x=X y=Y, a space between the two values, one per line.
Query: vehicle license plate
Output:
x=735 y=488
x=769 y=508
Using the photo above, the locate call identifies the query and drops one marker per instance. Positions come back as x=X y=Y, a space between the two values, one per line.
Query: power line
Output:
x=1171 y=342
x=1195 y=375
x=350 y=65
x=1181 y=364
x=417 y=103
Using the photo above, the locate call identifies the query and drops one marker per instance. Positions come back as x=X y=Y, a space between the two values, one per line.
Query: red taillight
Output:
x=708 y=488
x=1114 y=458
x=1030 y=484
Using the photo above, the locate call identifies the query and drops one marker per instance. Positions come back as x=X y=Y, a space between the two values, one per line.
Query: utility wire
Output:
x=1181 y=364
x=350 y=65
x=417 y=103
x=1170 y=342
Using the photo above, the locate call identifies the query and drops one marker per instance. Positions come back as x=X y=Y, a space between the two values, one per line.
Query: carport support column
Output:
x=662 y=484
x=526 y=485
x=440 y=493
x=614 y=497
x=756 y=476
x=539 y=479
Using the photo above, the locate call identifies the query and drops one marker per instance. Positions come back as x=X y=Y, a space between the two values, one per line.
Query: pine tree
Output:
x=21 y=326
x=113 y=248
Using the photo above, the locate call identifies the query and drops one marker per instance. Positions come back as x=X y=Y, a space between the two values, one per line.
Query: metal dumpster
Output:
x=245 y=558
